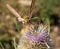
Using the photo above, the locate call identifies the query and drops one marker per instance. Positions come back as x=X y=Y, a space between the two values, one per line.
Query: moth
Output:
x=33 y=35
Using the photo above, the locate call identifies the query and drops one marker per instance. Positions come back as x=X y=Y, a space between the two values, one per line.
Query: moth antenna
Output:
x=31 y=9
x=14 y=12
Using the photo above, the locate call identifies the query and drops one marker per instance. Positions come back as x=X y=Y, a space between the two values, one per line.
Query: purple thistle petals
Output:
x=32 y=37
x=41 y=36
x=37 y=38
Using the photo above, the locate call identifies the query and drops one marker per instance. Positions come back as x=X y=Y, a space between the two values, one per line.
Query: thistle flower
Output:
x=34 y=40
x=42 y=35
x=37 y=37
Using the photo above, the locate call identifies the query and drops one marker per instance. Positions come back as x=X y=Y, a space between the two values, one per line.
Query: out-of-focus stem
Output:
x=14 y=12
